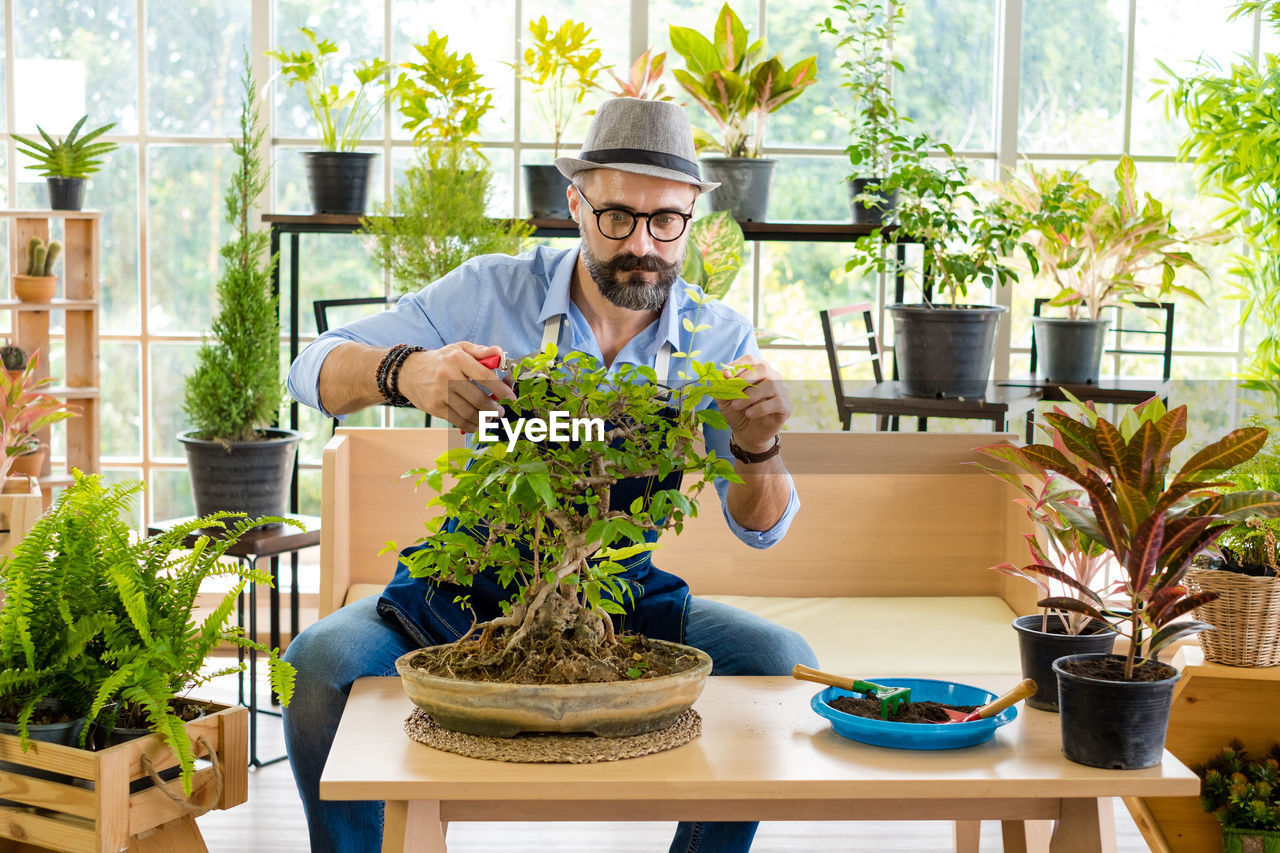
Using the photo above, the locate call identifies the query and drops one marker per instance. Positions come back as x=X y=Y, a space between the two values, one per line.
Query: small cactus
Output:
x=41 y=257
x=55 y=249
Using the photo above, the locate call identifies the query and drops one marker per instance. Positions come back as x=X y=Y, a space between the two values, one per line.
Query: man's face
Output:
x=636 y=272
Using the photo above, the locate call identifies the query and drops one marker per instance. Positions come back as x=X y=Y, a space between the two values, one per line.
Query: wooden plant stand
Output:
x=19 y=510
x=105 y=817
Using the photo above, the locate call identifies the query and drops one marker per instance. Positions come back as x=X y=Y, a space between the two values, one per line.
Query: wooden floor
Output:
x=272 y=822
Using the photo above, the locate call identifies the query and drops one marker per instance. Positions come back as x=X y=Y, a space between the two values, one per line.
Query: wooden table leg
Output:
x=416 y=823
x=1026 y=836
x=1084 y=826
x=968 y=835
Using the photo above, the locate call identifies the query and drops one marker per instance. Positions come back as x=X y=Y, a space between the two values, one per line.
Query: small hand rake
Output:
x=890 y=697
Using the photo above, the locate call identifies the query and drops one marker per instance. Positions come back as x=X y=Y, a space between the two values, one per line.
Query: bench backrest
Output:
x=883 y=514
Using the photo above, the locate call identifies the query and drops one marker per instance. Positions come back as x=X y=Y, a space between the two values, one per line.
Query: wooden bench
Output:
x=885 y=570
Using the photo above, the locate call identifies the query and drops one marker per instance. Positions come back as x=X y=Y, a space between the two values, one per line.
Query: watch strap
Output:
x=754 y=458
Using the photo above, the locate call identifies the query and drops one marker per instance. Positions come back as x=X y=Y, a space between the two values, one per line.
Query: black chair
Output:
x=886 y=399
x=1155 y=340
x=321 y=307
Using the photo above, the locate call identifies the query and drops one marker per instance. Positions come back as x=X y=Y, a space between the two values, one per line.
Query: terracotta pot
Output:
x=35 y=288
x=29 y=463
x=607 y=709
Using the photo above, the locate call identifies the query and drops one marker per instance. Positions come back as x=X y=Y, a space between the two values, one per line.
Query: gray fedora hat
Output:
x=644 y=137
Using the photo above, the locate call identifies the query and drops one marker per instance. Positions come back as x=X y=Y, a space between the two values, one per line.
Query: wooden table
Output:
x=763 y=755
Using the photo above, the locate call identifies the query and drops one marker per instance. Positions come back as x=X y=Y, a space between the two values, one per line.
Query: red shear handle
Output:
x=490 y=361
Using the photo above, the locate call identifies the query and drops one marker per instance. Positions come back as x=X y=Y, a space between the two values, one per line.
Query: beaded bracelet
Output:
x=393 y=395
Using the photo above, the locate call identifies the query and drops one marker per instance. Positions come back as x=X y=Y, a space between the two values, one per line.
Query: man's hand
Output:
x=451 y=383
x=757 y=418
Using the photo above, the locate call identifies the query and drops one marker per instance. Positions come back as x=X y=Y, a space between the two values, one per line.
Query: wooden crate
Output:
x=18 y=512
x=68 y=815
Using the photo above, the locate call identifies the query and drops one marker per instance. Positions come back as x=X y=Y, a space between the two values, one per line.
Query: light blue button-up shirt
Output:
x=504 y=301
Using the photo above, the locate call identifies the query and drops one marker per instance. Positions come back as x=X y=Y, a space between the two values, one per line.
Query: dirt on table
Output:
x=907 y=712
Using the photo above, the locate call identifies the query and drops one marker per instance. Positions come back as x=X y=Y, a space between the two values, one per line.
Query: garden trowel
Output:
x=1025 y=688
x=890 y=697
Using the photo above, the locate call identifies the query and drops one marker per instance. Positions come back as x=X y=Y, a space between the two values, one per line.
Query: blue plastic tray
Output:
x=916 y=735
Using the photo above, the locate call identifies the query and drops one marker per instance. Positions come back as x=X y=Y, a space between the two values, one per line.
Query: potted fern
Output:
x=730 y=79
x=67 y=162
x=1243 y=792
x=438 y=216
x=562 y=65
x=105 y=621
x=237 y=460
x=337 y=174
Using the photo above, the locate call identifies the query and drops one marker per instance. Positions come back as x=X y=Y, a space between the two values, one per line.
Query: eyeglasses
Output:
x=617 y=223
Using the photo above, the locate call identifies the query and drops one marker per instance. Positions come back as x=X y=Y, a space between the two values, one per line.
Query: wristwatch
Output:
x=753 y=458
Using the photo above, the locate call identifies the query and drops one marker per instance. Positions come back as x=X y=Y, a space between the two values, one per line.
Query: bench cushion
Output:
x=884 y=637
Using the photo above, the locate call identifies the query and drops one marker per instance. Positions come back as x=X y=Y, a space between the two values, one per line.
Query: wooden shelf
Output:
x=79 y=276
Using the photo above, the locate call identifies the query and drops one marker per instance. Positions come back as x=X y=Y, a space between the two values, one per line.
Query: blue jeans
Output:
x=355 y=641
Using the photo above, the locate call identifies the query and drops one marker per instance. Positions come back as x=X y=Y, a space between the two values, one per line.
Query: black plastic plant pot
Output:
x=66 y=193
x=1117 y=725
x=870 y=212
x=244 y=476
x=1040 y=648
x=545 y=190
x=744 y=186
x=339 y=180
x=945 y=352
x=1069 y=351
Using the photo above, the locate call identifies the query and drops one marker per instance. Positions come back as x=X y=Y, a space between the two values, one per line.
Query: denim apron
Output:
x=425 y=609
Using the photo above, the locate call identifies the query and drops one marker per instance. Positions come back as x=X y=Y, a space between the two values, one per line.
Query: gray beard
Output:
x=633 y=296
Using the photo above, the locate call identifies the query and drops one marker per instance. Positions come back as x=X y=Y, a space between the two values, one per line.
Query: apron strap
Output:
x=551 y=330
x=661 y=365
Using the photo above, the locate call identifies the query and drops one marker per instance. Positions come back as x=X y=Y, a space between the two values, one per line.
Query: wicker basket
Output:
x=1246 y=618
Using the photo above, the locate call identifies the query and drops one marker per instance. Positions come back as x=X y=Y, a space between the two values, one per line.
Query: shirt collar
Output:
x=557 y=300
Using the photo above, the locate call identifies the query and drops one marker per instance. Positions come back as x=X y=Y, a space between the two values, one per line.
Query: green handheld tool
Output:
x=890 y=697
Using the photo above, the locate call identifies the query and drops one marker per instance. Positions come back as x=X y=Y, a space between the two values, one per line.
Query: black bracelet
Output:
x=394 y=397
x=754 y=458
x=380 y=375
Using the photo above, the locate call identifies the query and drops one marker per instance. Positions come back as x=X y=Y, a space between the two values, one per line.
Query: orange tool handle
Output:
x=1025 y=688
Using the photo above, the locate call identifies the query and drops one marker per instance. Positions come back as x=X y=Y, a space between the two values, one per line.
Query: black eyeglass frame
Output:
x=635 y=217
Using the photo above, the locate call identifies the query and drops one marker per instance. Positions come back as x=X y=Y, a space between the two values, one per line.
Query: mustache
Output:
x=645 y=263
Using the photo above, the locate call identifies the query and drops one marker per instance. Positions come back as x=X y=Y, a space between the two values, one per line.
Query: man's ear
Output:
x=575 y=201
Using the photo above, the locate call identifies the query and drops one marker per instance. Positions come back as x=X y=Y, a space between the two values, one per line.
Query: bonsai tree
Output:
x=730 y=79
x=1242 y=792
x=72 y=156
x=25 y=410
x=546 y=527
x=342 y=114
x=236 y=388
x=563 y=67
x=106 y=621
x=1099 y=250
x=644 y=79
x=438 y=216
x=1151 y=524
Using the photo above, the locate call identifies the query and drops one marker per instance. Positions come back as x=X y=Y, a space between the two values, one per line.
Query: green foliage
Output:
x=443 y=104
x=1240 y=790
x=95 y=615
x=25 y=409
x=867 y=39
x=1151 y=525
x=72 y=156
x=713 y=255
x=643 y=82
x=552 y=539
x=14 y=357
x=342 y=116
x=1233 y=138
x=1254 y=540
x=1099 y=250
x=437 y=220
x=235 y=388
x=729 y=79
x=563 y=67
x=963 y=242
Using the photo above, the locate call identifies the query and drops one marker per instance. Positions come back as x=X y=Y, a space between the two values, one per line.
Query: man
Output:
x=618 y=297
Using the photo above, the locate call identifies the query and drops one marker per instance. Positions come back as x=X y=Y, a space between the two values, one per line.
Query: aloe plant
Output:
x=72 y=156
x=1151 y=524
x=731 y=81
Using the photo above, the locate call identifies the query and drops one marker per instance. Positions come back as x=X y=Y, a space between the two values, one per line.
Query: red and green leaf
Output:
x=1237 y=446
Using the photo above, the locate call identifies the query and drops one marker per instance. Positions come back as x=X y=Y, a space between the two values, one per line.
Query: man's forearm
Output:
x=348 y=378
x=759 y=501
